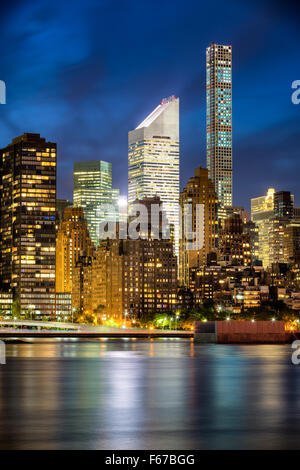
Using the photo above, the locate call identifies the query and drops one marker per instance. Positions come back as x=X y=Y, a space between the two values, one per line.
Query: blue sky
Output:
x=84 y=73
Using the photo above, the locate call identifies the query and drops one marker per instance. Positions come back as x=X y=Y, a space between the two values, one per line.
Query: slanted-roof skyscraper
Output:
x=219 y=120
x=93 y=188
x=153 y=160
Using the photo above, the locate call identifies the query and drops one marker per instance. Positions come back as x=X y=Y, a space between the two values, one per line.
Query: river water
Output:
x=148 y=394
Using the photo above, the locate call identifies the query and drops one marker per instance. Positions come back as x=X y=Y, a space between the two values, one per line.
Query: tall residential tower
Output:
x=219 y=120
x=153 y=160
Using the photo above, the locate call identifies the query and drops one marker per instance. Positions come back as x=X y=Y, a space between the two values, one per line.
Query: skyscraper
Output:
x=262 y=213
x=219 y=120
x=93 y=188
x=271 y=213
x=284 y=204
x=28 y=199
x=199 y=190
x=72 y=242
x=107 y=280
x=153 y=160
x=234 y=243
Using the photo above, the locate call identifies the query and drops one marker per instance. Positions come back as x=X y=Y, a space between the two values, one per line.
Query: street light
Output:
x=176 y=318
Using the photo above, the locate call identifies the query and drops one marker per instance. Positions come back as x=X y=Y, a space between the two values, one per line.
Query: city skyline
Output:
x=149 y=228
x=93 y=91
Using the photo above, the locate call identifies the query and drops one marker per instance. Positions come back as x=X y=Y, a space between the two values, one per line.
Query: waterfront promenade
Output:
x=24 y=329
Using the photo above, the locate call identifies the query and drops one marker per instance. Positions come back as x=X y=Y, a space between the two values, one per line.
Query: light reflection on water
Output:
x=155 y=394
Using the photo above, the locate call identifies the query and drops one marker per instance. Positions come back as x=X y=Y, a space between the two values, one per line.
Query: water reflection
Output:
x=156 y=394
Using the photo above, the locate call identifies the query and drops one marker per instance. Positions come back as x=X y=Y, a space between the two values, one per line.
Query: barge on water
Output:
x=242 y=332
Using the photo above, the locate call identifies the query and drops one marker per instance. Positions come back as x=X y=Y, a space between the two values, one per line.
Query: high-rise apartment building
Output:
x=93 y=189
x=271 y=213
x=27 y=221
x=219 y=120
x=199 y=191
x=234 y=244
x=107 y=280
x=150 y=267
x=153 y=160
x=284 y=204
x=150 y=278
x=73 y=241
x=276 y=239
x=262 y=213
x=291 y=242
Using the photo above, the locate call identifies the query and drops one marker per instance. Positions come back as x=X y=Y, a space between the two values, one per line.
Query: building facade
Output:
x=234 y=244
x=107 y=280
x=219 y=120
x=150 y=278
x=262 y=213
x=73 y=241
x=284 y=204
x=203 y=223
x=27 y=220
x=93 y=190
x=271 y=213
x=153 y=160
x=291 y=242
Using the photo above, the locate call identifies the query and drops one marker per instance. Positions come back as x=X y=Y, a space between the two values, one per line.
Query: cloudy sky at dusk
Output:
x=84 y=73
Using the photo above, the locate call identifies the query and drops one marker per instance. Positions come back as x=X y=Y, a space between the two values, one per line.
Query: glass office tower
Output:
x=219 y=120
x=153 y=160
x=93 y=189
